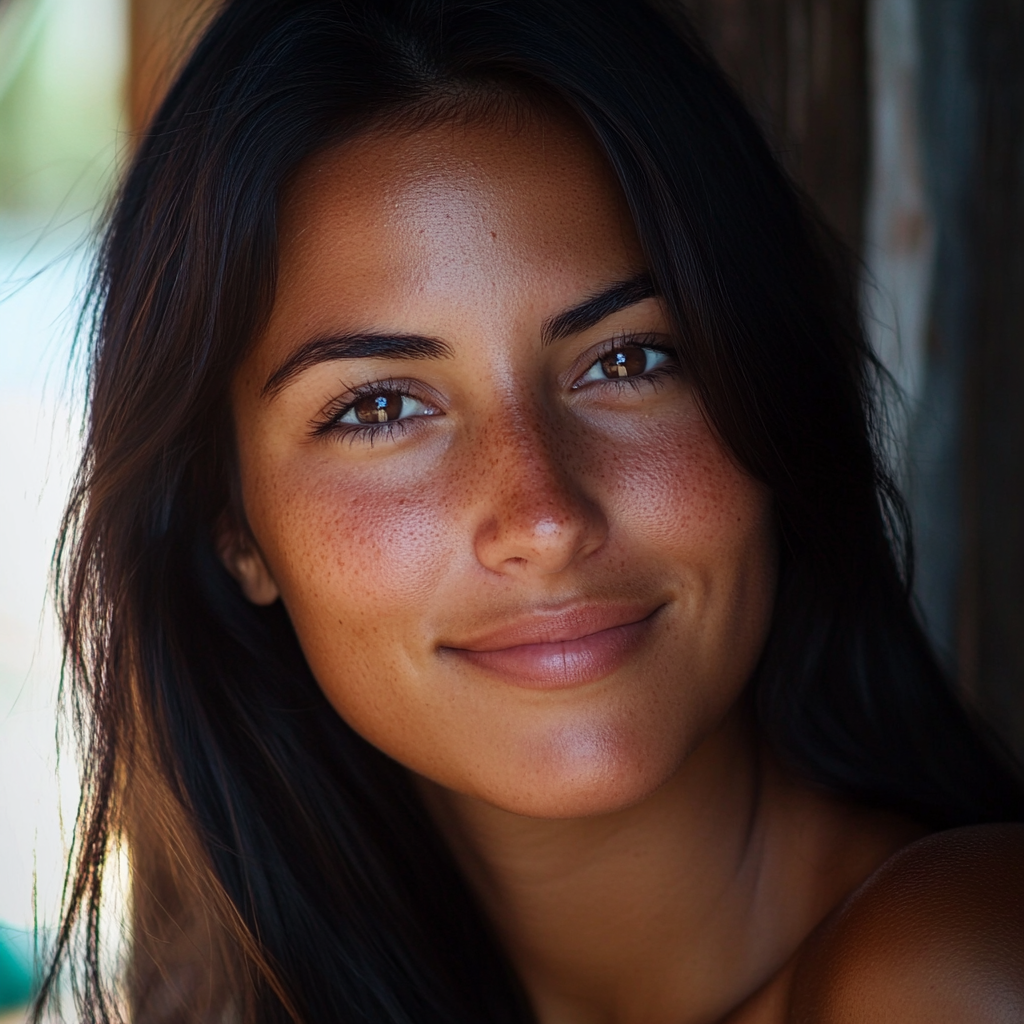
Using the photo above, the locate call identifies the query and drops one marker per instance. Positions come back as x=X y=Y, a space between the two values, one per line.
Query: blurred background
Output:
x=903 y=119
x=62 y=81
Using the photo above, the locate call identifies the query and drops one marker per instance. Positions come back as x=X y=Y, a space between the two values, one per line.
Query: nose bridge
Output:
x=535 y=514
x=527 y=444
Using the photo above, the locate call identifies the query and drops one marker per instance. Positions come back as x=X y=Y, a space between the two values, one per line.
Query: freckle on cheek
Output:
x=385 y=545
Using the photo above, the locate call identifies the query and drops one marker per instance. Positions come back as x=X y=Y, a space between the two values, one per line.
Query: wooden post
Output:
x=992 y=606
x=802 y=67
x=161 y=33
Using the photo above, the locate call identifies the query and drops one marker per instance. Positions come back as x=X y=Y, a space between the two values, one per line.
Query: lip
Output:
x=561 y=649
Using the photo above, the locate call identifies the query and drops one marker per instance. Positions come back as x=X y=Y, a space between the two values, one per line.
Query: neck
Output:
x=677 y=908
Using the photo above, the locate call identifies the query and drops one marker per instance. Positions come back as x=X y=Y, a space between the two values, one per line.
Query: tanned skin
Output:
x=448 y=479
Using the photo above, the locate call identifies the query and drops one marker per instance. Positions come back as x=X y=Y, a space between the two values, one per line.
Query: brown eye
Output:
x=643 y=361
x=385 y=405
x=624 y=362
x=379 y=408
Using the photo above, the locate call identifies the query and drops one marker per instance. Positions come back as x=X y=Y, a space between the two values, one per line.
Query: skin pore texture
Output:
x=519 y=561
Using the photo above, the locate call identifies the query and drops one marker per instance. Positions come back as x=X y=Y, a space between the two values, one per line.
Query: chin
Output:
x=577 y=773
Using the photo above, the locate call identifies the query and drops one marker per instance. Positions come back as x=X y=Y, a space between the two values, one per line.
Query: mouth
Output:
x=554 y=651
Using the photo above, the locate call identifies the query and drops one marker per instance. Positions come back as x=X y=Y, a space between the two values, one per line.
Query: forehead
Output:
x=452 y=211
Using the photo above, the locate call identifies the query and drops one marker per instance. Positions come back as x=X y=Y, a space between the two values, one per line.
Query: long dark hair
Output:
x=283 y=868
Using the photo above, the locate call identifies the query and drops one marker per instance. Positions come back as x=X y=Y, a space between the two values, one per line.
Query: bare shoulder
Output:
x=935 y=935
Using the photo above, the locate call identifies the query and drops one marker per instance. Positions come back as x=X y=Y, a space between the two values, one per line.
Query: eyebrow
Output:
x=362 y=345
x=592 y=311
x=381 y=345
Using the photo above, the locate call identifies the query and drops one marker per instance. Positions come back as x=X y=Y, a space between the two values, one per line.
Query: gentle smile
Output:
x=570 y=648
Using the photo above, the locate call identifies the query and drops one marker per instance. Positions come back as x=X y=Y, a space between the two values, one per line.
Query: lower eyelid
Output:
x=356 y=433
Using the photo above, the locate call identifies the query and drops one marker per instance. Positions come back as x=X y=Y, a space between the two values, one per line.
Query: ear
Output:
x=242 y=558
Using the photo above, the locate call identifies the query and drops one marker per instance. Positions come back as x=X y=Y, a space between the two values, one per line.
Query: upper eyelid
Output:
x=369 y=345
x=632 y=336
x=402 y=386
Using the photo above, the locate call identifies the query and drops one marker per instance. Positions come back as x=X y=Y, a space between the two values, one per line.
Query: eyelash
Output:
x=633 y=339
x=329 y=422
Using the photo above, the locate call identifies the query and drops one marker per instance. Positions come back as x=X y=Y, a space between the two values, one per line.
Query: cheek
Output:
x=351 y=556
x=676 y=490
x=680 y=503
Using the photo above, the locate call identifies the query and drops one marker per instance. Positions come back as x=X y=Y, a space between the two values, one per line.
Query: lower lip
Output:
x=566 y=663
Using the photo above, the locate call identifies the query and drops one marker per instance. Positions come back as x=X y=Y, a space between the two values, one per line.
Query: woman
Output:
x=484 y=600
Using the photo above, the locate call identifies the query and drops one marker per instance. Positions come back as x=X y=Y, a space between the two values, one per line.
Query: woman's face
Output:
x=517 y=559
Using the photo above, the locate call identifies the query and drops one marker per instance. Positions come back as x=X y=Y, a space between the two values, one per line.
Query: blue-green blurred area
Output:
x=62 y=127
x=15 y=968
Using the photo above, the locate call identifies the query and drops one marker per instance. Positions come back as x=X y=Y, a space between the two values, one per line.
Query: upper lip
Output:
x=556 y=625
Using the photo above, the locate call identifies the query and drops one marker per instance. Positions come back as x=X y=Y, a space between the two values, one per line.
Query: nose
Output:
x=534 y=519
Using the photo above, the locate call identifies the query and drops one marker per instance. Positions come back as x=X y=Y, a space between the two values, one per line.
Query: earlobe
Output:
x=243 y=561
